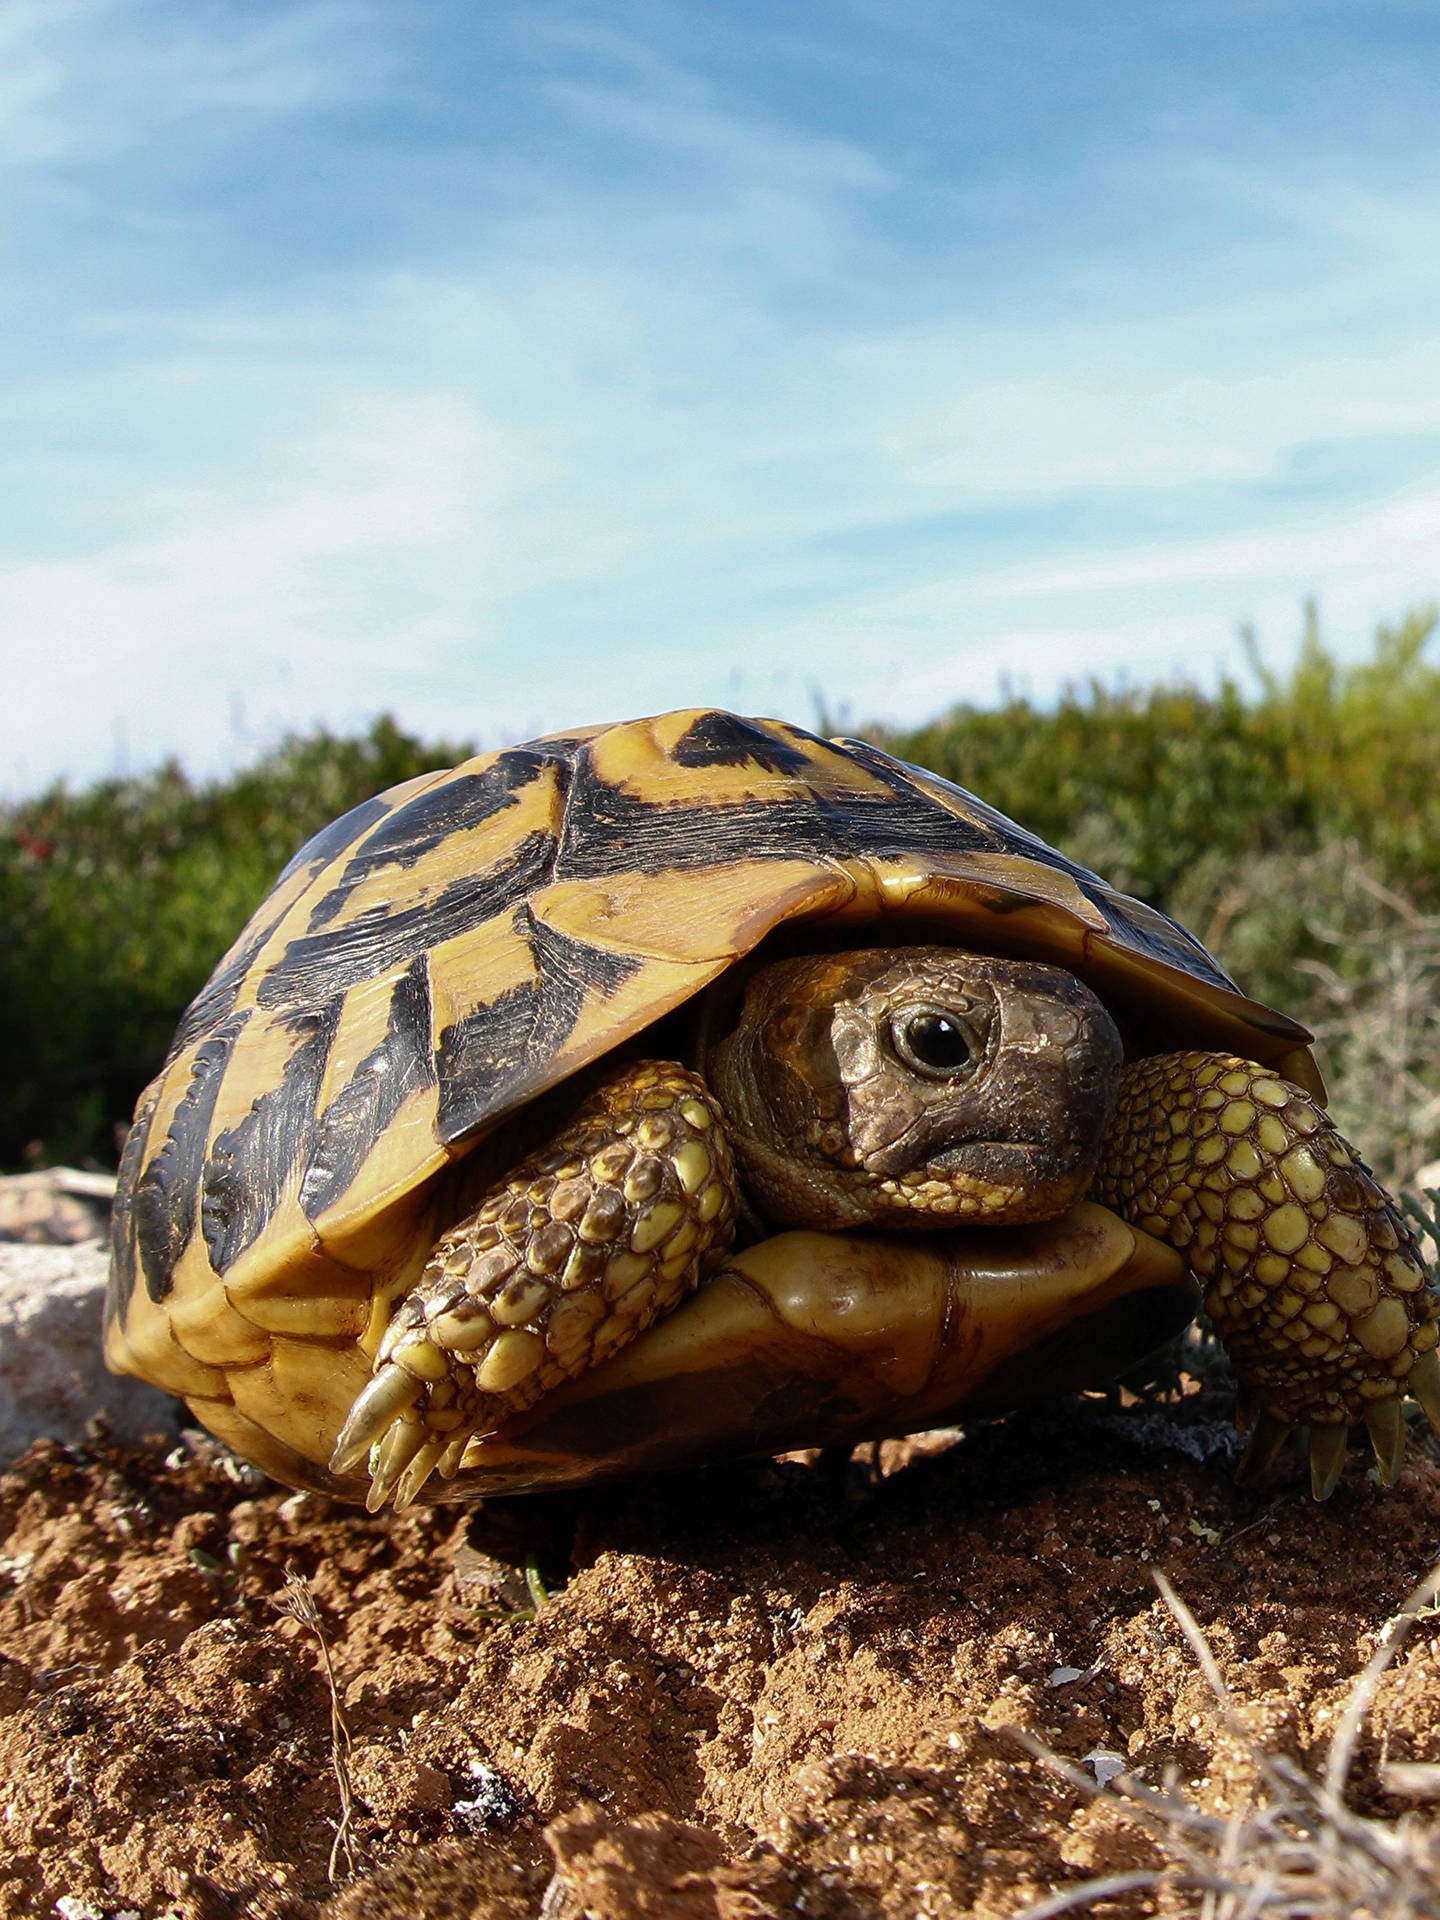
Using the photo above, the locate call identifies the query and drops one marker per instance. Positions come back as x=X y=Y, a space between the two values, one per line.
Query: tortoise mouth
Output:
x=1027 y=1156
x=1016 y=1181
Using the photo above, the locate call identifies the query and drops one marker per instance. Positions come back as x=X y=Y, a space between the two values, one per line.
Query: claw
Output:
x=376 y=1406
x=1386 y=1423
x=1424 y=1383
x=1327 y=1457
x=1267 y=1437
x=393 y=1456
x=407 y=1488
x=448 y=1465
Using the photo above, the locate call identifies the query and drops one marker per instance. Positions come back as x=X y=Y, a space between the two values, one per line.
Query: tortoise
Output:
x=696 y=1087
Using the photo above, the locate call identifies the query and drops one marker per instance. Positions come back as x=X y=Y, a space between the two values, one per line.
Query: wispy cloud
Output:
x=514 y=368
x=93 y=81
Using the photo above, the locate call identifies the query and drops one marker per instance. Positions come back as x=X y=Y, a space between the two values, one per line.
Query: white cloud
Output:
x=410 y=551
x=33 y=131
x=94 y=80
x=635 y=435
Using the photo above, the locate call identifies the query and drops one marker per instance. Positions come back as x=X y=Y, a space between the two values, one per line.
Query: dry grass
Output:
x=1298 y=1851
x=299 y=1602
x=1380 y=1020
x=1321 y=935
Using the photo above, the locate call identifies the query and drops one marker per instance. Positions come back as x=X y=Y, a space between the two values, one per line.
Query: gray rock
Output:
x=56 y=1206
x=52 y=1378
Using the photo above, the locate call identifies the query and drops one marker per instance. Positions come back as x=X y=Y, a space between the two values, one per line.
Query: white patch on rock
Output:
x=52 y=1377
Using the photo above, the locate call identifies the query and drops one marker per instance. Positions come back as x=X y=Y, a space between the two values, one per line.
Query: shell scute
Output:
x=209 y=1327
x=385 y=938
x=292 y=1396
x=366 y=1101
x=249 y=1164
x=491 y=1057
x=635 y=810
x=324 y=848
x=242 y=962
x=217 y=1000
x=124 y=1255
x=666 y=917
x=166 y=1199
x=457 y=826
x=726 y=740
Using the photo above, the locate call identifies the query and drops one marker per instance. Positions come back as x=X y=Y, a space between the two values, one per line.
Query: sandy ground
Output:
x=796 y=1687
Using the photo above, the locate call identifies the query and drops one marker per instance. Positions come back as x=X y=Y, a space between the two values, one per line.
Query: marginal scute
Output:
x=302 y=1393
x=208 y=1326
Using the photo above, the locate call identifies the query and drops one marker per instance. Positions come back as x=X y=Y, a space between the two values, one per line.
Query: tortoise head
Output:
x=919 y=1086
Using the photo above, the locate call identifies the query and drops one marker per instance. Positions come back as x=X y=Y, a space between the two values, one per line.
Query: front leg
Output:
x=1312 y=1276
x=580 y=1248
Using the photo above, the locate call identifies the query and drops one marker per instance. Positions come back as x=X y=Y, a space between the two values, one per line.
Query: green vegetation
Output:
x=1293 y=821
x=1151 y=784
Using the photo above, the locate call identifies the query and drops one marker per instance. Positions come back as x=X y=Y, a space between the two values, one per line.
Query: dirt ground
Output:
x=794 y=1687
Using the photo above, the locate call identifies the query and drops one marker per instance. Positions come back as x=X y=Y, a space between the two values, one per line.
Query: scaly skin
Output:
x=1312 y=1276
x=582 y=1246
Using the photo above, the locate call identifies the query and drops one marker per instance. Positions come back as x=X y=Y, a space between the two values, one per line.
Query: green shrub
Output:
x=1323 y=936
x=1152 y=784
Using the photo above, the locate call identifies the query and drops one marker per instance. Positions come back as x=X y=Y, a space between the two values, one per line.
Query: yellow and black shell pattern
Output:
x=449 y=950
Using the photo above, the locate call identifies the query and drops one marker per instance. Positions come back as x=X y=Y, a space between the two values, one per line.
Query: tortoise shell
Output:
x=448 y=951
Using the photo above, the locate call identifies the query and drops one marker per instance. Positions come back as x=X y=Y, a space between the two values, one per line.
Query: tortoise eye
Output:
x=932 y=1041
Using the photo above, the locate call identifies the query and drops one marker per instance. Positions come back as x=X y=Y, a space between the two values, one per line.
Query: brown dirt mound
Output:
x=781 y=1689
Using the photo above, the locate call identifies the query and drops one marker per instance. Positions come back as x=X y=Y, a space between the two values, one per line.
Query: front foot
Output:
x=578 y=1250
x=1313 y=1277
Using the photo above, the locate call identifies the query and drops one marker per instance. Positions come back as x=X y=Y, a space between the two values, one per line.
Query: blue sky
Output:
x=512 y=366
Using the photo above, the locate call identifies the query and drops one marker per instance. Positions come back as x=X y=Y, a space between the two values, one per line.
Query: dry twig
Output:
x=299 y=1602
x=1298 y=1851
